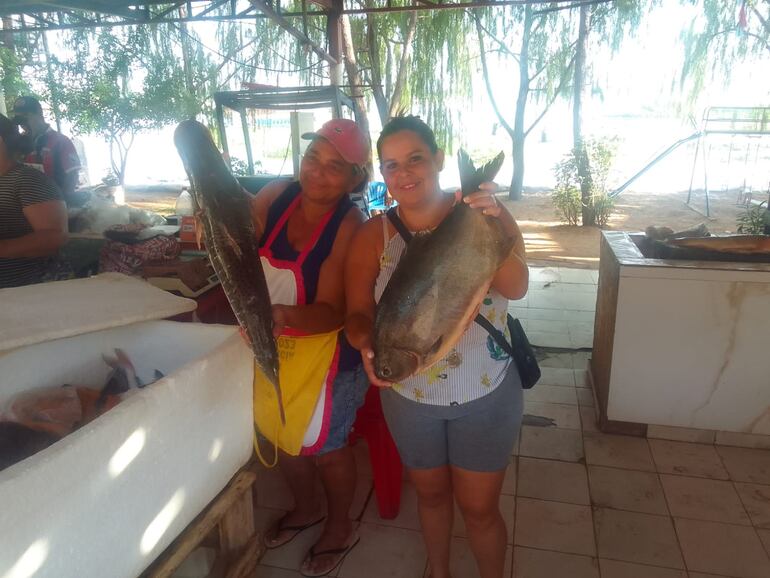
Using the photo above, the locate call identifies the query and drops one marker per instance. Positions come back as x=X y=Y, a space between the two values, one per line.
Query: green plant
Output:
x=752 y=220
x=566 y=195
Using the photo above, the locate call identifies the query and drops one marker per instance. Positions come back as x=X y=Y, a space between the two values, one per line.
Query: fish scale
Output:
x=439 y=283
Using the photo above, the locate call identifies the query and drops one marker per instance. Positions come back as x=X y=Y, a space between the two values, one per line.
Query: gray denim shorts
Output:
x=348 y=394
x=476 y=436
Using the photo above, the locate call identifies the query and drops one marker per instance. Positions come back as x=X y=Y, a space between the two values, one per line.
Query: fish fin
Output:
x=471 y=177
x=158 y=375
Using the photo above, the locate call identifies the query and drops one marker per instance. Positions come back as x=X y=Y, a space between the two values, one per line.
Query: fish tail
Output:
x=471 y=177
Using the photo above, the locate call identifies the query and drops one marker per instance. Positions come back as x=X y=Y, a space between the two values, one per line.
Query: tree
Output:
x=726 y=31
x=611 y=22
x=120 y=82
x=545 y=61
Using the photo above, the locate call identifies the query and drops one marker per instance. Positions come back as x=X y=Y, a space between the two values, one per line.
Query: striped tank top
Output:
x=474 y=367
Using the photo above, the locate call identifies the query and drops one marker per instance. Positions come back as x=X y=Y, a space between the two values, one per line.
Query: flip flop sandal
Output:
x=296 y=529
x=342 y=552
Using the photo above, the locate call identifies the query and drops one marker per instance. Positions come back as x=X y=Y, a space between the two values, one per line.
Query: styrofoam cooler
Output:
x=106 y=500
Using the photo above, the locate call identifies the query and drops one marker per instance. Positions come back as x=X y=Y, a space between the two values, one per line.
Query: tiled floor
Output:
x=577 y=503
x=559 y=308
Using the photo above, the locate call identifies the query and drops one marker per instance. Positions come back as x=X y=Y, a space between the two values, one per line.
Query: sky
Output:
x=634 y=104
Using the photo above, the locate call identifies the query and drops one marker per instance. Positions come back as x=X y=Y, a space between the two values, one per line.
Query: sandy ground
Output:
x=551 y=242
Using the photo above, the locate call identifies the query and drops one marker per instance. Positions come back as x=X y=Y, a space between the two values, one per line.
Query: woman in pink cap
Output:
x=306 y=227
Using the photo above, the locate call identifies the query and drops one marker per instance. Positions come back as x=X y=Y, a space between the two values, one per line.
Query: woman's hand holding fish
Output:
x=483 y=199
x=367 y=355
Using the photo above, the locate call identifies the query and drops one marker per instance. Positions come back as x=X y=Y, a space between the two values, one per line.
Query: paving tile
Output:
x=551 y=443
x=544 y=314
x=521 y=313
x=723 y=549
x=588 y=418
x=579 y=301
x=575 y=287
x=616 y=569
x=557 y=376
x=507 y=509
x=618 y=451
x=579 y=316
x=549 y=339
x=544 y=274
x=553 y=480
x=570 y=275
x=463 y=564
x=553 y=415
x=408 y=516
x=742 y=440
x=581 y=339
x=290 y=556
x=756 y=499
x=580 y=326
x=385 y=552
x=552 y=359
x=635 y=537
x=703 y=499
x=585 y=396
x=581 y=377
x=746 y=465
x=626 y=490
x=554 y=526
x=580 y=359
x=680 y=434
x=687 y=459
x=531 y=563
x=552 y=394
x=547 y=325
x=509 y=482
x=546 y=299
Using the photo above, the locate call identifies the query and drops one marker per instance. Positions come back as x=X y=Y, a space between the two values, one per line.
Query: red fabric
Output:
x=55 y=146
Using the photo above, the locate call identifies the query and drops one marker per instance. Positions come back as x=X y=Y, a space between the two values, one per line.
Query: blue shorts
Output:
x=476 y=436
x=348 y=394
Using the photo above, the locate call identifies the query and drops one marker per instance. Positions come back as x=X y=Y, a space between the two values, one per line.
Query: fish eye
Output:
x=386 y=371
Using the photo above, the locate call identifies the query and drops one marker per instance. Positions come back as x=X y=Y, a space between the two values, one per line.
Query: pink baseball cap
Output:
x=345 y=136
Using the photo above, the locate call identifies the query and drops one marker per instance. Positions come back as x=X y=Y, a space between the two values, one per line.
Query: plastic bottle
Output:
x=184 y=204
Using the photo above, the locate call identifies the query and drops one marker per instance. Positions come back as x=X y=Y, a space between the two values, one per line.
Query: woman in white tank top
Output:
x=444 y=418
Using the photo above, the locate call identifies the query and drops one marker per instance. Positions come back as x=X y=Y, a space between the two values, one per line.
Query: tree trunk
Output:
x=354 y=78
x=376 y=69
x=403 y=66
x=583 y=168
x=517 y=182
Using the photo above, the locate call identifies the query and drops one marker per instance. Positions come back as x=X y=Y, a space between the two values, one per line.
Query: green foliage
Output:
x=716 y=40
x=753 y=220
x=11 y=80
x=566 y=195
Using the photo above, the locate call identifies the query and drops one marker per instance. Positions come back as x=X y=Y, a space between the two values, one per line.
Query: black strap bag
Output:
x=520 y=350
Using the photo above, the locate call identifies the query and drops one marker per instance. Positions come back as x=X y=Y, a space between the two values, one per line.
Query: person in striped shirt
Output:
x=33 y=216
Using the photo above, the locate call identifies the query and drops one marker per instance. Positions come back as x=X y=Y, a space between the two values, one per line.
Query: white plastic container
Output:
x=110 y=497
